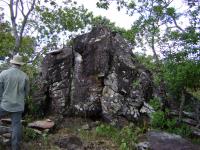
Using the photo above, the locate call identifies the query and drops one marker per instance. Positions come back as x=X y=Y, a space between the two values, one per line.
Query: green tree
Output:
x=157 y=27
x=56 y=23
x=24 y=8
x=7 y=41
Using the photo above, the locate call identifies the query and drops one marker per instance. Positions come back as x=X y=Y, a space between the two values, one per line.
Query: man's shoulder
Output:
x=11 y=71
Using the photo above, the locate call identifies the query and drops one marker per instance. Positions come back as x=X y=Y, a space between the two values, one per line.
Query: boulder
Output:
x=165 y=141
x=99 y=77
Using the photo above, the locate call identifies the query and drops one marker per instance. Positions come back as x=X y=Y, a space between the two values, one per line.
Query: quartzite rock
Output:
x=99 y=76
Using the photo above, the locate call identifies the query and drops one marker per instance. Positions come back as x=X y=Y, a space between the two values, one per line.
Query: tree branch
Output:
x=167 y=3
x=25 y=19
x=22 y=6
x=16 y=7
x=5 y=2
x=27 y=5
x=177 y=25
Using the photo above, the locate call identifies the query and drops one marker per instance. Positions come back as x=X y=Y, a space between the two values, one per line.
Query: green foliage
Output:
x=65 y=20
x=183 y=129
x=170 y=11
x=106 y=130
x=102 y=21
x=27 y=46
x=182 y=74
x=32 y=72
x=29 y=134
x=103 y=4
x=126 y=137
x=7 y=41
x=155 y=103
x=131 y=5
x=136 y=83
x=158 y=120
x=161 y=121
x=32 y=109
x=147 y=61
x=158 y=10
x=130 y=34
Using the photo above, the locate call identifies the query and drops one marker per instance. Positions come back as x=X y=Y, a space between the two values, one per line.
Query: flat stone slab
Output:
x=42 y=124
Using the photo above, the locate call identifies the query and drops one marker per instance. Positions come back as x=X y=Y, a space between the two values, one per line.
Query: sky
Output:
x=119 y=17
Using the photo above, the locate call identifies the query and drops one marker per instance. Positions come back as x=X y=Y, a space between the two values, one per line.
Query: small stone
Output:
x=143 y=146
x=46 y=130
x=85 y=127
x=7 y=135
x=4 y=129
x=101 y=75
x=37 y=131
x=4 y=141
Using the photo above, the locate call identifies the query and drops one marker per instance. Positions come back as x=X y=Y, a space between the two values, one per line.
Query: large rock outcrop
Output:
x=99 y=76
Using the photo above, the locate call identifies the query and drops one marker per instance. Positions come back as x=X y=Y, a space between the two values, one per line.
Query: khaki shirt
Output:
x=14 y=87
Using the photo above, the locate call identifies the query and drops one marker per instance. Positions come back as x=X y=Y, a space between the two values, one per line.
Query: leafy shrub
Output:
x=29 y=134
x=31 y=108
x=106 y=130
x=182 y=129
x=125 y=137
x=160 y=121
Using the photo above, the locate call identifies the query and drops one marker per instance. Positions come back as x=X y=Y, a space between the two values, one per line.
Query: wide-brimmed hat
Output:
x=17 y=59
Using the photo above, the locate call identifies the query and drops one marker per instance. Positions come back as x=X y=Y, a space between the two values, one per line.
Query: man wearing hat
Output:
x=14 y=88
